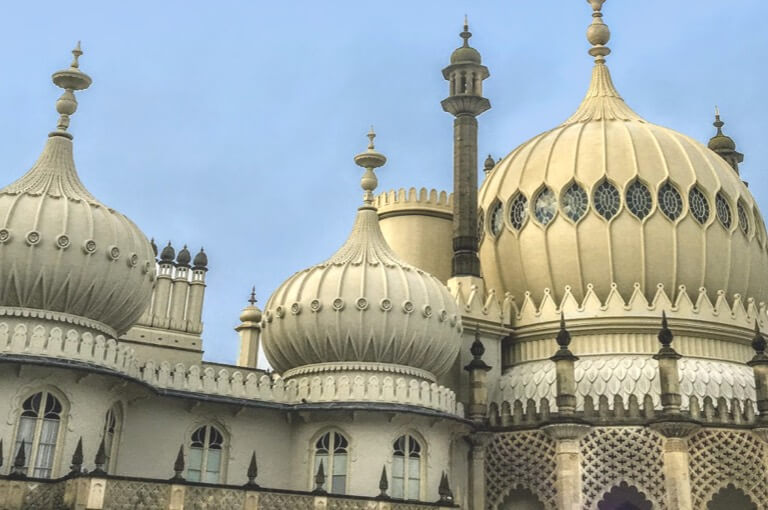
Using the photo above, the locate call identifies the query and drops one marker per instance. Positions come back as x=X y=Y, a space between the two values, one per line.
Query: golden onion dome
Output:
x=609 y=198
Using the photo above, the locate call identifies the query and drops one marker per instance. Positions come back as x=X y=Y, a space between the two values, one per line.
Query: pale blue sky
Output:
x=233 y=124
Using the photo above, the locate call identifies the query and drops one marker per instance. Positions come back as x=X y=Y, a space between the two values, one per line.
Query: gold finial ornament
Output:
x=69 y=79
x=598 y=33
x=369 y=160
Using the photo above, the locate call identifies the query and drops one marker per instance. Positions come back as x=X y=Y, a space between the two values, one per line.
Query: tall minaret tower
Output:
x=465 y=102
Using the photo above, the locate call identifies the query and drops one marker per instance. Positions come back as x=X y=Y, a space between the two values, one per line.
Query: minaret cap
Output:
x=69 y=79
x=466 y=53
x=720 y=141
x=369 y=160
x=251 y=313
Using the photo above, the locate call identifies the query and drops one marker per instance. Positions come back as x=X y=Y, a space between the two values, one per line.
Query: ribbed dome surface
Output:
x=62 y=250
x=362 y=305
x=609 y=197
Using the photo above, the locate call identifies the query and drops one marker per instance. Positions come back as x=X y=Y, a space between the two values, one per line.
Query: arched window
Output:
x=698 y=204
x=38 y=428
x=518 y=211
x=607 y=200
x=205 y=455
x=111 y=432
x=639 y=199
x=545 y=206
x=406 y=468
x=332 y=449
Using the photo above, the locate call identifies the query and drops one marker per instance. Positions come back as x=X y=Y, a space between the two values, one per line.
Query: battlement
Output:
x=413 y=200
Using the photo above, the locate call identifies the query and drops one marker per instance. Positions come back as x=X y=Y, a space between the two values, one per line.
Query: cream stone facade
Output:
x=581 y=331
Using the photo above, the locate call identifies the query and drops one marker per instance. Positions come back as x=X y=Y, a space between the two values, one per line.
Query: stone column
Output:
x=568 y=462
x=669 y=377
x=677 y=478
x=478 y=441
x=477 y=409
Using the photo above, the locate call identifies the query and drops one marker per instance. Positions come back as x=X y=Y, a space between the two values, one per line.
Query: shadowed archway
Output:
x=731 y=498
x=521 y=499
x=624 y=497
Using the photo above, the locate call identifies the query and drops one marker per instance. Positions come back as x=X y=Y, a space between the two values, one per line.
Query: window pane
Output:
x=413 y=489
x=397 y=488
x=213 y=466
x=46 y=448
x=414 y=468
x=338 y=484
x=195 y=459
x=193 y=475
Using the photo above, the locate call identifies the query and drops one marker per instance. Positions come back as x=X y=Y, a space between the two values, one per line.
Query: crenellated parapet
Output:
x=412 y=201
x=38 y=340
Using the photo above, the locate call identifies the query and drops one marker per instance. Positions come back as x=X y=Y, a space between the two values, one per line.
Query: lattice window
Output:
x=38 y=430
x=575 y=202
x=699 y=205
x=497 y=219
x=723 y=210
x=670 y=201
x=332 y=449
x=524 y=460
x=720 y=457
x=639 y=199
x=518 y=211
x=545 y=206
x=612 y=455
x=607 y=200
x=743 y=218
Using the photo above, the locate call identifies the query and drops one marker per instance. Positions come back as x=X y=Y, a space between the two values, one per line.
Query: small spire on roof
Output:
x=466 y=34
x=252 y=300
x=69 y=79
x=370 y=159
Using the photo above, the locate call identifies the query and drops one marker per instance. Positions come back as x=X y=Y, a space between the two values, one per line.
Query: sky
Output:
x=232 y=125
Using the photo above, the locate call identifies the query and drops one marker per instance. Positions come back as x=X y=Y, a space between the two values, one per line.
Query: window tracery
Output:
x=723 y=210
x=205 y=455
x=497 y=219
x=607 y=200
x=480 y=225
x=545 y=206
x=406 y=468
x=332 y=449
x=743 y=218
x=639 y=199
x=518 y=211
x=699 y=205
x=111 y=433
x=575 y=202
x=670 y=201
x=38 y=429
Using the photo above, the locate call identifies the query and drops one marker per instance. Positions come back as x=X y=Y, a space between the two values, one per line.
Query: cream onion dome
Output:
x=363 y=304
x=61 y=250
x=609 y=198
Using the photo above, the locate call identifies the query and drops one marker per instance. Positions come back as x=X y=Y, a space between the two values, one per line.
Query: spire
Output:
x=602 y=101
x=665 y=335
x=444 y=490
x=154 y=246
x=253 y=472
x=466 y=34
x=383 y=484
x=178 y=465
x=724 y=145
x=759 y=344
x=320 y=480
x=252 y=299
x=18 y=469
x=477 y=349
x=70 y=79
x=77 y=458
x=370 y=160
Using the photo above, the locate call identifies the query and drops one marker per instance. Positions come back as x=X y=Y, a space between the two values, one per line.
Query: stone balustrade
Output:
x=90 y=349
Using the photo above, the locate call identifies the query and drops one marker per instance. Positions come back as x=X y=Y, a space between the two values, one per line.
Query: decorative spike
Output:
x=101 y=459
x=758 y=342
x=563 y=336
x=252 y=300
x=70 y=79
x=478 y=350
x=178 y=465
x=154 y=246
x=19 y=462
x=444 y=490
x=253 y=471
x=466 y=34
x=665 y=335
x=77 y=458
x=383 y=484
x=370 y=160
x=320 y=480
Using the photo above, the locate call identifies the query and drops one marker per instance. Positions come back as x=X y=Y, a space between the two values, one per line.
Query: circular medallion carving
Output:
x=315 y=305
x=62 y=242
x=89 y=246
x=33 y=237
x=113 y=253
x=279 y=312
x=5 y=235
x=408 y=307
x=338 y=304
x=361 y=303
x=385 y=304
x=133 y=260
x=426 y=310
x=296 y=308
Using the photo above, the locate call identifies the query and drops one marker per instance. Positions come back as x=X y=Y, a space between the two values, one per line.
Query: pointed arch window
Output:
x=518 y=211
x=205 y=455
x=111 y=433
x=575 y=202
x=332 y=449
x=670 y=201
x=406 y=468
x=545 y=206
x=639 y=199
x=497 y=219
x=723 y=209
x=699 y=205
x=743 y=218
x=38 y=428
x=607 y=200
x=480 y=225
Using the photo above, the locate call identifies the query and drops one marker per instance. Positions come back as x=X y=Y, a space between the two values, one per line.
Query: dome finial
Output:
x=598 y=33
x=70 y=79
x=466 y=34
x=252 y=299
x=718 y=123
x=369 y=160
